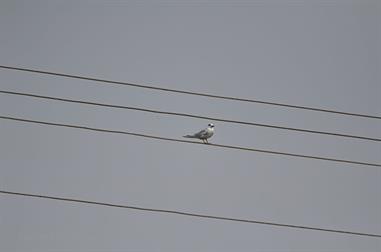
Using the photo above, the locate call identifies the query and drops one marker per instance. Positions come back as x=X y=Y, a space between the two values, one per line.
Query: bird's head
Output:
x=211 y=125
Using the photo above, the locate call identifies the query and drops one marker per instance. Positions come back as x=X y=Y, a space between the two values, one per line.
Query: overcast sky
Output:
x=314 y=53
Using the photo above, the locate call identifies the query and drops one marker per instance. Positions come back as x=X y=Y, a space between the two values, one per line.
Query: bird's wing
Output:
x=201 y=134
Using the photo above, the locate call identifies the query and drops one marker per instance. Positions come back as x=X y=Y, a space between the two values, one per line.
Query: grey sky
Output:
x=314 y=53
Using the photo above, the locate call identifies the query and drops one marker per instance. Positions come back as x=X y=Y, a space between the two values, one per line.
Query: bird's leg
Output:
x=203 y=140
x=206 y=140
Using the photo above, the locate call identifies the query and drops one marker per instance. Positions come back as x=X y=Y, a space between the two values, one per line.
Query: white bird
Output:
x=203 y=134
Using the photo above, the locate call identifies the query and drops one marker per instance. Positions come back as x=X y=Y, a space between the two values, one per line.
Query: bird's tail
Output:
x=189 y=136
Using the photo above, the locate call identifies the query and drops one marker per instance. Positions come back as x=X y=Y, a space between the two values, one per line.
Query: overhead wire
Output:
x=98 y=80
x=188 y=115
x=197 y=215
x=189 y=142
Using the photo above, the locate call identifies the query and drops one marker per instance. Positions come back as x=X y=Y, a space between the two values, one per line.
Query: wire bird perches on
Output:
x=186 y=141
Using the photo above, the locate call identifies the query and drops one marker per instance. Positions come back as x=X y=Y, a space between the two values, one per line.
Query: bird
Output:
x=203 y=134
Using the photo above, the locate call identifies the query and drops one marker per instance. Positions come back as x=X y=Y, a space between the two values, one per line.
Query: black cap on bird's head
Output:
x=211 y=125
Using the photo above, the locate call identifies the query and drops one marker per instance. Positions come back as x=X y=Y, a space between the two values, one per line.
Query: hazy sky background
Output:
x=314 y=53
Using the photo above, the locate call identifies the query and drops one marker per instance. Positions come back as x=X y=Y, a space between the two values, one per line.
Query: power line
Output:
x=188 y=214
x=189 y=115
x=191 y=142
x=190 y=92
